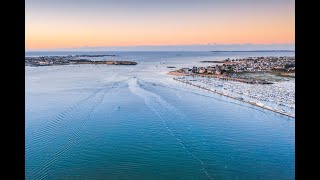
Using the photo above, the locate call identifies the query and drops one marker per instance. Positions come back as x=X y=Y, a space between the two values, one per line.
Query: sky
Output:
x=60 y=24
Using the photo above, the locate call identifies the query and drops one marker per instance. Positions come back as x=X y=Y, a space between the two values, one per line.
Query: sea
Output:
x=135 y=122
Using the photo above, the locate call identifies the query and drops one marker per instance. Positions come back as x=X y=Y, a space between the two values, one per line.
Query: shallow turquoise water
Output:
x=135 y=122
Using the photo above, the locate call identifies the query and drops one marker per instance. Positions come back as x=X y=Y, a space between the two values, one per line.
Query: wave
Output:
x=161 y=108
x=95 y=99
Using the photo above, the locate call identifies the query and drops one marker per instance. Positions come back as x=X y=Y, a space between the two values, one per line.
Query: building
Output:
x=185 y=70
x=201 y=70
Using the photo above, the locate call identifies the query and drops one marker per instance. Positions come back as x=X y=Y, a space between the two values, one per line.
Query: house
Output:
x=201 y=70
x=209 y=71
x=194 y=69
x=185 y=70
x=42 y=63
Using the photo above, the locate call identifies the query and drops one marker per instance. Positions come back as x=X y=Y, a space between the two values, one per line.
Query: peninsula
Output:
x=238 y=80
x=238 y=69
x=76 y=59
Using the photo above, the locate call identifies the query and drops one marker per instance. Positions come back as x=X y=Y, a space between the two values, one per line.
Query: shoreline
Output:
x=175 y=73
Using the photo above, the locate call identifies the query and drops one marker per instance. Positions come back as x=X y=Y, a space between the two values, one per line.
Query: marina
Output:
x=274 y=98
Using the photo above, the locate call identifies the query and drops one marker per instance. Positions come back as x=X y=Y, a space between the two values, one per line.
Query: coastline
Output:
x=66 y=60
x=175 y=73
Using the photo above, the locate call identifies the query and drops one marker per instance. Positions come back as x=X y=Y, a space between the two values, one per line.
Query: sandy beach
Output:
x=175 y=73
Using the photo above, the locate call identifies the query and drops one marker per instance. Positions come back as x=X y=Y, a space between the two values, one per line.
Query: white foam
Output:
x=155 y=102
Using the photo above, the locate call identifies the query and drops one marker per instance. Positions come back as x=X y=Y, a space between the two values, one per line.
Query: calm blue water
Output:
x=135 y=122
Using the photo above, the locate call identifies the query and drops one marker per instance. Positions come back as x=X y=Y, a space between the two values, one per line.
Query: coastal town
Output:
x=237 y=69
x=261 y=64
x=75 y=59
x=228 y=80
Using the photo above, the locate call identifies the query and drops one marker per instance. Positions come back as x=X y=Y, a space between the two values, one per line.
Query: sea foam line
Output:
x=134 y=87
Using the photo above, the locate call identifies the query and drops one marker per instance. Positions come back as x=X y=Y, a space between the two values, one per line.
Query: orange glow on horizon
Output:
x=78 y=39
x=46 y=29
x=68 y=37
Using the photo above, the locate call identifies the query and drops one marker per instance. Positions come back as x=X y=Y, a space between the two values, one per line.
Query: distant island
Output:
x=257 y=51
x=67 y=60
x=86 y=55
x=213 y=61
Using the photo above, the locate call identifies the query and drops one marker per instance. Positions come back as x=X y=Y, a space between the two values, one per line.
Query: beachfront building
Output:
x=202 y=70
x=185 y=70
x=194 y=69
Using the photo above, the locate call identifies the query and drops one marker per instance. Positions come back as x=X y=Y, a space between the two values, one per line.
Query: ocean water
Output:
x=135 y=122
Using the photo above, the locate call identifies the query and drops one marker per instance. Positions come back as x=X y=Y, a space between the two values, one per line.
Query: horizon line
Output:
x=239 y=47
x=281 y=50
